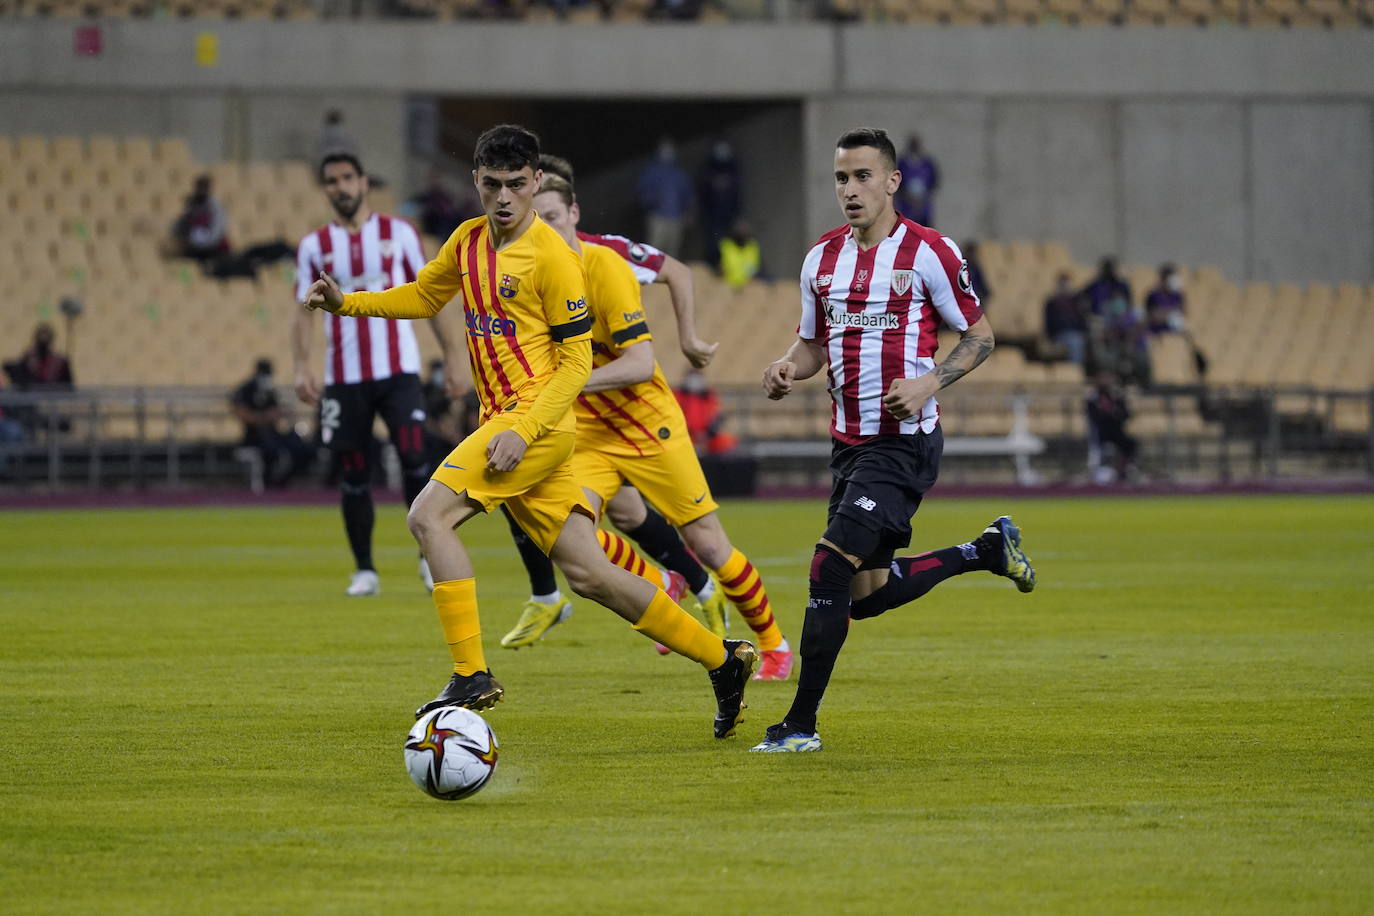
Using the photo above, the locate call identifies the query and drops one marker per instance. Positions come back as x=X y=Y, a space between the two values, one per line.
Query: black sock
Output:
x=413 y=480
x=537 y=566
x=358 y=516
x=663 y=544
x=823 y=633
x=912 y=577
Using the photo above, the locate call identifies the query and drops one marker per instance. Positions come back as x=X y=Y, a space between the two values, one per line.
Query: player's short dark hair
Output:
x=557 y=165
x=554 y=183
x=507 y=148
x=874 y=137
x=340 y=156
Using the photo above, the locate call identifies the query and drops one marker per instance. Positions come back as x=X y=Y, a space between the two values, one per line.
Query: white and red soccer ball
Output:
x=451 y=753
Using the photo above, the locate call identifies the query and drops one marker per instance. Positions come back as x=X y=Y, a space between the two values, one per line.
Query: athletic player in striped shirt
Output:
x=529 y=344
x=630 y=428
x=873 y=294
x=740 y=583
x=371 y=365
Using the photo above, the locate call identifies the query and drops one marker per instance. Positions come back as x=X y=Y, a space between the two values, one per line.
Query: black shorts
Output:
x=879 y=483
x=347 y=412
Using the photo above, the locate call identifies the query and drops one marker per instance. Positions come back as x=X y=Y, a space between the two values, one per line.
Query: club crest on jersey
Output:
x=387 y=247
x=965 y=279
x=901 y=282
x=509 y=286
x=861 y=279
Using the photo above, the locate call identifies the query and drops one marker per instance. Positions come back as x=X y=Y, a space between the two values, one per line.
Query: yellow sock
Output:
x=623 y=554
x=743 y=585
x=665 y=622
x=456 y=602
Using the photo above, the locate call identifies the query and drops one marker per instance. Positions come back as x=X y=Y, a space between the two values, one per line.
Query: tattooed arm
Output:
x=906 y=396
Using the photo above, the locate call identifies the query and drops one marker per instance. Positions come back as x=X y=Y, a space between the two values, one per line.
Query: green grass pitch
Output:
x=1179 y=719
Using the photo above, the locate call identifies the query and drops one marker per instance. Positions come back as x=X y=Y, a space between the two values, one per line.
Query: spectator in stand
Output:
x=719 y=193
x=920 y=179
x=255 y=404
x=1165 y=303
x=1065 y=322
x=739 y=256
x=665 y=196
x=1120 y=344
x=1108 y=294
x=701 y=407
x=41 y=366
x=976 y=277
x=201 y=231
x=1108 y=412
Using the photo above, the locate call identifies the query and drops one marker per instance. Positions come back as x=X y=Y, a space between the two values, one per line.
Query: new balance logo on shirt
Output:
x=866 y=504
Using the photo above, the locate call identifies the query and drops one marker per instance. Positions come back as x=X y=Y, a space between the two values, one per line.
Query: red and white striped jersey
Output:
x=383 y=253
x=876 y=313
x=645 y=260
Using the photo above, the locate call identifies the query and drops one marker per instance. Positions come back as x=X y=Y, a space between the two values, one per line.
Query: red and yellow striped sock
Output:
x=664 y=622
x=456 y=602
x=623 y=554
x=744 y=587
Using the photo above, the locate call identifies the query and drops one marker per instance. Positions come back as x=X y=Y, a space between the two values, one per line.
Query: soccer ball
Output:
x=451 y=753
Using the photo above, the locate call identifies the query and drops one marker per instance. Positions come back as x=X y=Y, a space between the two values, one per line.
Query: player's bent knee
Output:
x=584 y=582
x=852 y=537
x=831 y=571
x=707 y=540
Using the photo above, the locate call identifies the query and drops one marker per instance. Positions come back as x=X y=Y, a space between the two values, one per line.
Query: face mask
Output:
x=264 y=381
x=436 y=378
x=1174 y=283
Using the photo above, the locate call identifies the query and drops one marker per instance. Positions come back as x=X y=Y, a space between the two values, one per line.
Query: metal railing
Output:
x=171 y=437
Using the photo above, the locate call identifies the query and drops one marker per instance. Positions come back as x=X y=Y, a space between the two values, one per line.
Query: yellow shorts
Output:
x=540 y=490
x=672 y=480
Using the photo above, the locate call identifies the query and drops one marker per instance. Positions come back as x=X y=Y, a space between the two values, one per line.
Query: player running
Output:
x=371 y=365
x=873 y=292
x=740 y=583
x=529 y=344
x=630 y=427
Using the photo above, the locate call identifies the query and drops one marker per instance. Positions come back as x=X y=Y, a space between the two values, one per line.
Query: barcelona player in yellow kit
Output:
x=630 y=428
x=529 y=343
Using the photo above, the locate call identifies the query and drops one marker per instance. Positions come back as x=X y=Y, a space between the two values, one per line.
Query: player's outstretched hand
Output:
x=505 y=450
x=906 y=396
x=777 y=379
x=699 y=352
x=307 y=387
x=324 y=293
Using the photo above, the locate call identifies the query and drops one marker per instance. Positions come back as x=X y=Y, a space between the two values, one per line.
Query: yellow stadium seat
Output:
x=31 y=150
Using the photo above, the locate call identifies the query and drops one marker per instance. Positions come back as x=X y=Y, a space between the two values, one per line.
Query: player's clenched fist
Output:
x=699 y=352
x=778 y=377
x=324 y=293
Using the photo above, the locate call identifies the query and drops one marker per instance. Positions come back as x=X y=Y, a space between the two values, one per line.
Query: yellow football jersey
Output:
x=518 y=304
x=642 y=419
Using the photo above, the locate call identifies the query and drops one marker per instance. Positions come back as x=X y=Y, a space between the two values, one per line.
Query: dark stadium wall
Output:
x=610 y=140
x=1251 y=186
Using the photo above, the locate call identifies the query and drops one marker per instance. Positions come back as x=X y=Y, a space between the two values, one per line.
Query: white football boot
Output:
x=364 y=582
